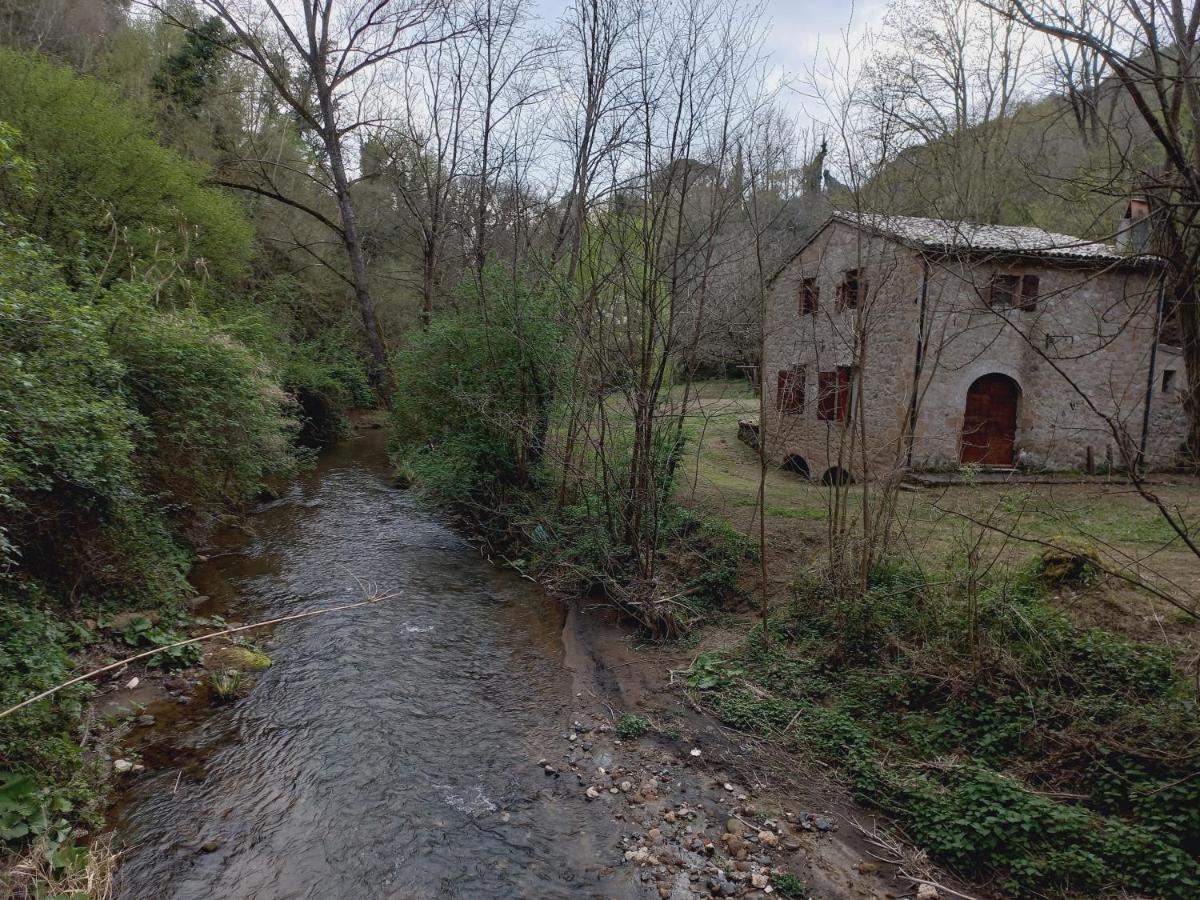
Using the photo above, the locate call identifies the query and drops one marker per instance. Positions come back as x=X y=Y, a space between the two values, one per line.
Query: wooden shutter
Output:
x=789 y=394
x=827 y=391
x=843 y=393
x=1029 y=293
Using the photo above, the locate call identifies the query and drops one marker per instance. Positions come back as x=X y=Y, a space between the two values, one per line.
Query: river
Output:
x=389 y=750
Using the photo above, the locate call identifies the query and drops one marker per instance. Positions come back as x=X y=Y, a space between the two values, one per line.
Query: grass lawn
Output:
x=720 y=475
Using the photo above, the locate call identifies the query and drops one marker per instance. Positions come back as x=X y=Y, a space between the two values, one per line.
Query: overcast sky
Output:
x=799 y=30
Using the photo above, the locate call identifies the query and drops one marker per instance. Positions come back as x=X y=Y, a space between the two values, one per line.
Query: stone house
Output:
x=894 y=342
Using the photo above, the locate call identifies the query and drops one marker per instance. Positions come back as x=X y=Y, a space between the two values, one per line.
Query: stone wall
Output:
x=1090 y=328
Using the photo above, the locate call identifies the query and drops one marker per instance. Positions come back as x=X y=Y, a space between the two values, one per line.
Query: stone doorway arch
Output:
x=990 y=421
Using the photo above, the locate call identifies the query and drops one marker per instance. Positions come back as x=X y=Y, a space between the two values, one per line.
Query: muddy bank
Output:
x=457 y=740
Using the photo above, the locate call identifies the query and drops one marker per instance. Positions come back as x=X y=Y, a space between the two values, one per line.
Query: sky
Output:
x=800 y=30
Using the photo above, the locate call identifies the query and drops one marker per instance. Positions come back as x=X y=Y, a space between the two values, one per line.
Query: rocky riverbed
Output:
x=690 y=828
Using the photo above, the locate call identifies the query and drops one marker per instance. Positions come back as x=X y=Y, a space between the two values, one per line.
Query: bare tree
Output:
x=1151 y=47
x=319 y=61
x=1079 y=73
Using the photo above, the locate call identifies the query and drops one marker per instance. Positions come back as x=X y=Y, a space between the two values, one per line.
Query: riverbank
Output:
x=709 y=811
x=475 y=722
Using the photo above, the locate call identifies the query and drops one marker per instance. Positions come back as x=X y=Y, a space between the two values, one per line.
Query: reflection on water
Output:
x=388 y=751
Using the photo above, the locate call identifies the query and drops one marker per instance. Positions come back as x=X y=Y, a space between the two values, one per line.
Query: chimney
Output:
x=1133 y=237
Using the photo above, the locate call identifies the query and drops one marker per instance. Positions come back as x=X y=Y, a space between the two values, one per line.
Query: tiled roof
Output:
x=947 y=236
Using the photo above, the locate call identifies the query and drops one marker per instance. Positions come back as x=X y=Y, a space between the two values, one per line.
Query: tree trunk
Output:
x=380 y=371
x=1187 y=309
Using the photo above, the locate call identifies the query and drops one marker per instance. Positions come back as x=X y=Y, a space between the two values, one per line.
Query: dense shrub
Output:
x=473 y=394
x=477 y=404
x=117 y=421
x=214 y=420
x=107 y=195
x=123 y=424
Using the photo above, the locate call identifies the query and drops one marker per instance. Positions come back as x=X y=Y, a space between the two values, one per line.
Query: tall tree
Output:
x=319 y=57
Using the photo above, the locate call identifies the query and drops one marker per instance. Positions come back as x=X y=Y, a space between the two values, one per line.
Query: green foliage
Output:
x=29 y=810
x=116 y=422
x=106 y=195
x=711 y=553
x=967 y=742
x=188 y=75
x=631 y=726
x=226 y=685
x=125 y=425
x=142 y=633
x=215 y=421
x=474 y=394
x=788 y=885
x=709 y=672
x=34 y=646
x=1069 y=563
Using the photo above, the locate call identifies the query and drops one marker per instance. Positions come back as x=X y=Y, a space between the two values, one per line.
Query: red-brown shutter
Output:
x=1029 y=292
x=789 y=395
x=827 y=396
x=843 y=393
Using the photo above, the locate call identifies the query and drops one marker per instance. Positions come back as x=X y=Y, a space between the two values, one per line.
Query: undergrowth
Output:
x=474 y=414
x=1013 y=745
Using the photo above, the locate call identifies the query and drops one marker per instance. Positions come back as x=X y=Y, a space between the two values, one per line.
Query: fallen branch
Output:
x=373 y=599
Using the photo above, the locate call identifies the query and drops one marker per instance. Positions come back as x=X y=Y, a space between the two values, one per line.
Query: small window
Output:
x=1030 y=286
x=1168 y=381
x=833 y=395
x=849 y=290
x=809 y=295
x=789 y=390
x=1004 y=291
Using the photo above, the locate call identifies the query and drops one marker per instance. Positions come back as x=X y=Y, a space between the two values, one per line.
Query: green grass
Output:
x=810 y=513
x=721 y=474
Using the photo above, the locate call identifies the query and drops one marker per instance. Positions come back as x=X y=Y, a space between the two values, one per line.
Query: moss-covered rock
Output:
x=1070 y=563
x=241 y=659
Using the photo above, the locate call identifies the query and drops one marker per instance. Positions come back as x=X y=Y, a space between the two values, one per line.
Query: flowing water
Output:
x=388 y=752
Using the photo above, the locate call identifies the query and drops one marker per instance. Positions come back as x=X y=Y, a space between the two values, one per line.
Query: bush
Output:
x=1069 y=563
x=101 y=182
x=34 y=648
x=214 y=420
x=117 y=421
x=473 y=395
x=630 y=727
x=124 y=426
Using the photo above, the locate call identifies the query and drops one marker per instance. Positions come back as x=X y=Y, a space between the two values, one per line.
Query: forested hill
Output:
x=1062 y=160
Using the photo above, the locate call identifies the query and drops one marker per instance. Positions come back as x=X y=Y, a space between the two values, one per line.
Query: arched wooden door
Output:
x=990 y=422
